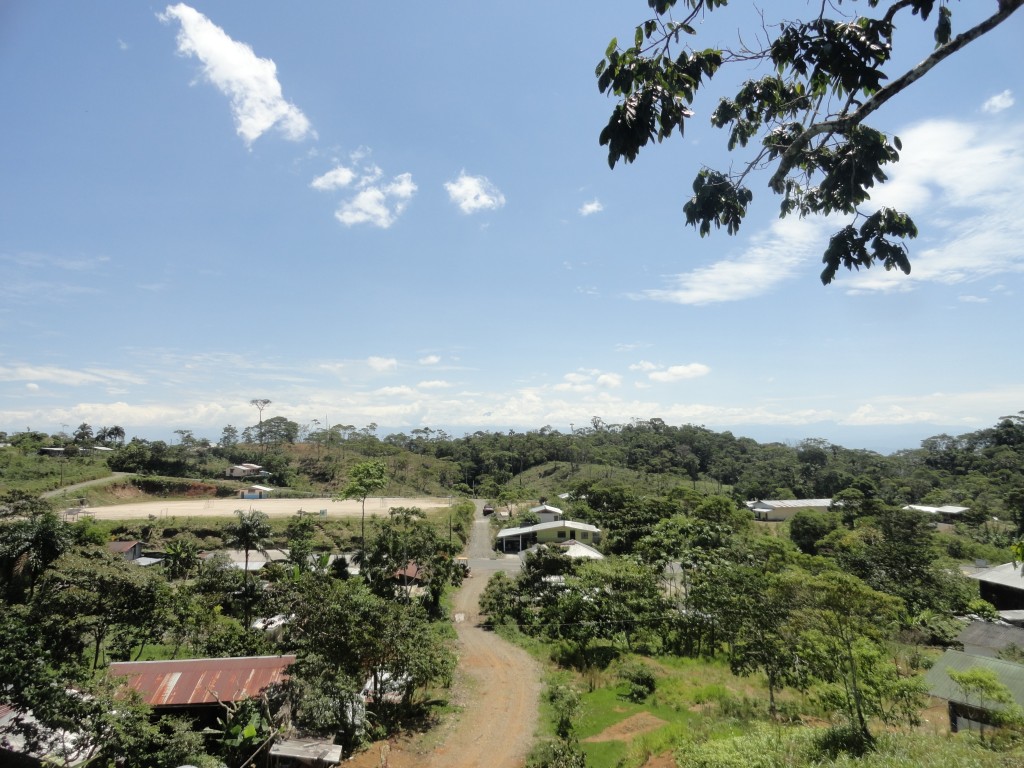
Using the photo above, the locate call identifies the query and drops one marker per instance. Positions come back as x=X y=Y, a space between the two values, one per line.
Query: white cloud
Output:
x=248 y=81
x=998 y=103
x=433 y=384
x=381 y=364
x=379 y=205
x=643 y=365
x=32 y=386
x=679 y=372
x=336 y=178
x=594 y=206
x=969 y=299
x=430 y=360
x=610 y=380
x=474 y=193
x=772 y=258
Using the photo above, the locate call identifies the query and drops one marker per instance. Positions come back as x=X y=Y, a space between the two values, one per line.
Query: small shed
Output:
x=129 y=550
x=547 y=513
x=965 y=713
x=255 y=492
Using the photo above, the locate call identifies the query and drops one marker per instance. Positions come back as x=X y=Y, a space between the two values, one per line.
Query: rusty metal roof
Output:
x=190 y=682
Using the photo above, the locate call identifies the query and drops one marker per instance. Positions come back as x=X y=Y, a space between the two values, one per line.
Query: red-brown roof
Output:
x=188 y=682
x=121 y=547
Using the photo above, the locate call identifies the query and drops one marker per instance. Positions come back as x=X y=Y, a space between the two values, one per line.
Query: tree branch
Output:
x=842 y=125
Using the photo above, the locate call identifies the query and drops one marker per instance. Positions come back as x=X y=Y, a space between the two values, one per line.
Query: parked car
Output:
x=488 y=509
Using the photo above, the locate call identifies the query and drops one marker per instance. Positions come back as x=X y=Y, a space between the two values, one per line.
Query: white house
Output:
x=547 y=514
x=772 y=510
x=555 y=532
x=947 y=514
x=243 y=470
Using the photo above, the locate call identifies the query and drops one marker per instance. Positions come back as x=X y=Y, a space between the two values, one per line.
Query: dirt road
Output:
x=497 y=688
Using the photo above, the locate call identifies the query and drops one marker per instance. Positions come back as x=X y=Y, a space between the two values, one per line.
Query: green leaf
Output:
x=611 y=47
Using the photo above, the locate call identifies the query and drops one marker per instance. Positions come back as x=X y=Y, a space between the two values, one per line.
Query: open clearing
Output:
x=203 y=507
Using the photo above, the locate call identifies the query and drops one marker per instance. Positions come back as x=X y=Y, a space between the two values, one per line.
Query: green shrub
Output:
x=640 y=680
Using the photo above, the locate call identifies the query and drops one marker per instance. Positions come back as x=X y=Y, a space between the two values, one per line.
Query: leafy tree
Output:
x=27 y=548
x=100 y=598
x=842 y=623
x=805 y=121
x=181 y=557
x=981 y=688
x=807 y=527
x=363 y=479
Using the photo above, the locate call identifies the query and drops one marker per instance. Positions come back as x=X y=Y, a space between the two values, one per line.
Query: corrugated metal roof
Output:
x=942 y=686
x=121 y=547
x=189 y=682
x=1007 y=575
x=792 y=503
x=989 y=636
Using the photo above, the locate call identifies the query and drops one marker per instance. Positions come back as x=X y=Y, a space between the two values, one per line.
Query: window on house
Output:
x=585 y=535
x=561 y=534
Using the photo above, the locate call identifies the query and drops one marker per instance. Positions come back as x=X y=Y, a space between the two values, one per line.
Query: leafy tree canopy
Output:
x=804 y=120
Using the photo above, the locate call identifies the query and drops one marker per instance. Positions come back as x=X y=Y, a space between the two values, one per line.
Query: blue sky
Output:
x=400 y=214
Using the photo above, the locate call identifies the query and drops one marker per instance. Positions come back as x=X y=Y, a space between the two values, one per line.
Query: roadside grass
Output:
x=38 y=474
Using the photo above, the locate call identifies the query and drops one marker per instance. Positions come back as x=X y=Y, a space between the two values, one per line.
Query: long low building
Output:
x=775 y=510
x=190 y=683
x=554 y=532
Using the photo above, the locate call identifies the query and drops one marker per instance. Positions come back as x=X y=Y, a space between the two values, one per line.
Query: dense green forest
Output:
x=831 y=617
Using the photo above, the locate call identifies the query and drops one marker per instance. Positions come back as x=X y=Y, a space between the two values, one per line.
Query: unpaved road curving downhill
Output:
x=497 y=687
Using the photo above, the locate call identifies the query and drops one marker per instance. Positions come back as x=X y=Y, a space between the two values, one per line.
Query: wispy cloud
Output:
x=249 y=82
x=998 y=103
x=474 y=193
x=429 y=360
x=594 y=206
x=772 y=258
x=68 y=376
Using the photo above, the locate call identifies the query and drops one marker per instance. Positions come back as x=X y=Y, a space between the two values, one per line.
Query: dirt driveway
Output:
x=497 y=688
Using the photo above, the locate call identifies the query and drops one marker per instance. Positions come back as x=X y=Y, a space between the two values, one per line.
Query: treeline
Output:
x=983 y=470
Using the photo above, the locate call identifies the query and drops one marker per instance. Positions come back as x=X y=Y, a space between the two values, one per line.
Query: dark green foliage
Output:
x=806 y=120
x=807 y=527
x=640 y=680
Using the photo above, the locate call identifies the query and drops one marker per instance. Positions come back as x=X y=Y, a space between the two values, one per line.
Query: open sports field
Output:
x=272 y=507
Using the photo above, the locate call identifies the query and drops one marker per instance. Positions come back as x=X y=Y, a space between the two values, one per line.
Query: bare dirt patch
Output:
x=630 y=728
x=664 y=760
x=207 y=507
